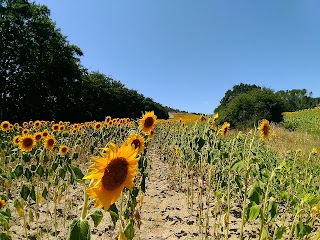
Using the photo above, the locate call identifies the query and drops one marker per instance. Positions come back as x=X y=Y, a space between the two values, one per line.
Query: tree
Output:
x=39 y=69
x=235 y=91
x=247 y=109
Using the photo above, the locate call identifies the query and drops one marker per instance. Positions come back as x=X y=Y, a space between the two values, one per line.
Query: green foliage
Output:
x=41 y=76
x=246 y=109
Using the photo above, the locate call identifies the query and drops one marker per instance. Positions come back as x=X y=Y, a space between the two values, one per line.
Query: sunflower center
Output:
x=50 y=142
x=38 y=137
x=64 y=150
x=115 y=173
x=136 y=143
x=265 y=129
x=148 y=122
x=27 y=142
x=5 y=125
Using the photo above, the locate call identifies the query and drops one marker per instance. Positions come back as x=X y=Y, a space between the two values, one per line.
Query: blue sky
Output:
x=186 y=54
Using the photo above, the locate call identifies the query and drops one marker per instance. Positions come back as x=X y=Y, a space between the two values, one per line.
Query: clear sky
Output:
x=186 y=54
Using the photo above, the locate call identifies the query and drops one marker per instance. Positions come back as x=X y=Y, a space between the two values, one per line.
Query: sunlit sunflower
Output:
x=74 y=131
x=26 y=143
x=55 y=127
x=25 y=131
x=45 y=133
x=49 y=142
x=63 y=149
x=2 y=203
x=112 y=172
x=97 y=126
x=37 y=124
x=16 y=140
x=264 y=128
x=225 y=129
x=148 y=121
x=61 y=128
x=5 y=125
x=215 y=117
x=136 y=141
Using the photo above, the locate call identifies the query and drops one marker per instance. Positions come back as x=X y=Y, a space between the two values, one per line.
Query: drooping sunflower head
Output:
x=264 y=128
x=112 y=172
x=63 y=149
x=49 y=142
x=148 y=121
x=136 y=141
x=37 y=136
x=26 y=143
x=5 y=125
x=225 y=129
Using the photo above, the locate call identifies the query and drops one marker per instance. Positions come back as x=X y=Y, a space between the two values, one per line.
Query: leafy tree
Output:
x=235 y=91
x=247 y=109
x=39 y=69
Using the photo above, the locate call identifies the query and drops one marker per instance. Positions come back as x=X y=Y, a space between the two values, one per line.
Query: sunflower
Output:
x=37 y=124
x=26 y=143
x=5 y=125
x=55 y=127
x=25 y=131
x=49 y=142
x=16 y=140
x=225 y=129
x=63 y=149
x=2 y=203
x=136 y=141
x=25 y=124
x=37 y=136
x=264 y=128
x=216 y=116
x=112 y=172
x=45 y=133
x=61 y=128
x=147 y=122
x=97 y=126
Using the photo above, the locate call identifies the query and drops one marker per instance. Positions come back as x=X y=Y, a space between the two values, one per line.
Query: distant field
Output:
x=304 y=120
x=186 y=117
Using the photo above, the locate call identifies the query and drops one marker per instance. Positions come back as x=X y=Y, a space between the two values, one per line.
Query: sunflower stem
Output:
x=85 y=206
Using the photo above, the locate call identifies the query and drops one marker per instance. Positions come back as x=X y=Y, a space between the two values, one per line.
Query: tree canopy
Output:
x=41 y=76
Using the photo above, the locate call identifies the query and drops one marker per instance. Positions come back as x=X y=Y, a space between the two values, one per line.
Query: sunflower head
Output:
x=26 y=143
x=55 y=127
x=225 y=129
x=63 y=149
x=37 y=124
x=2 y=203
x=136 y=141
x=61 y=128
x=16 y=140
x=148 y=121
x=112 y=172
x=264 y=128
x=97 y=126
x=5 y=125
x=45 y=133
x=25 y=131
x=49 y=142
x=37 y=136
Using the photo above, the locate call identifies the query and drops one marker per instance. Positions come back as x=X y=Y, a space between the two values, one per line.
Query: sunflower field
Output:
x=304 y=120
x=91 y=178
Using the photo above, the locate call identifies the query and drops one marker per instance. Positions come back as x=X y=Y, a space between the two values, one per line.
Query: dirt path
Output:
x=165 y=213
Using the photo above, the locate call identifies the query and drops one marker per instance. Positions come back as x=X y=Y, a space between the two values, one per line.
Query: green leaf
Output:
x=129 y=231
x=25 y=191
x=272 y=208
x=4 y=236
x=18 y=171
x=79 y=230
x=44 y=193
x=237 y=166
x=33 y=194
x=114 y=213
x=253 y=211
x=26 y=157
x=28 y=173
x=96 y=217
x=77 y=172
x=265 y=234
x=255 y=194
x=75 y=156
x=62 y=173
x=40 y=171
x=303 y=229
x=279 y=232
